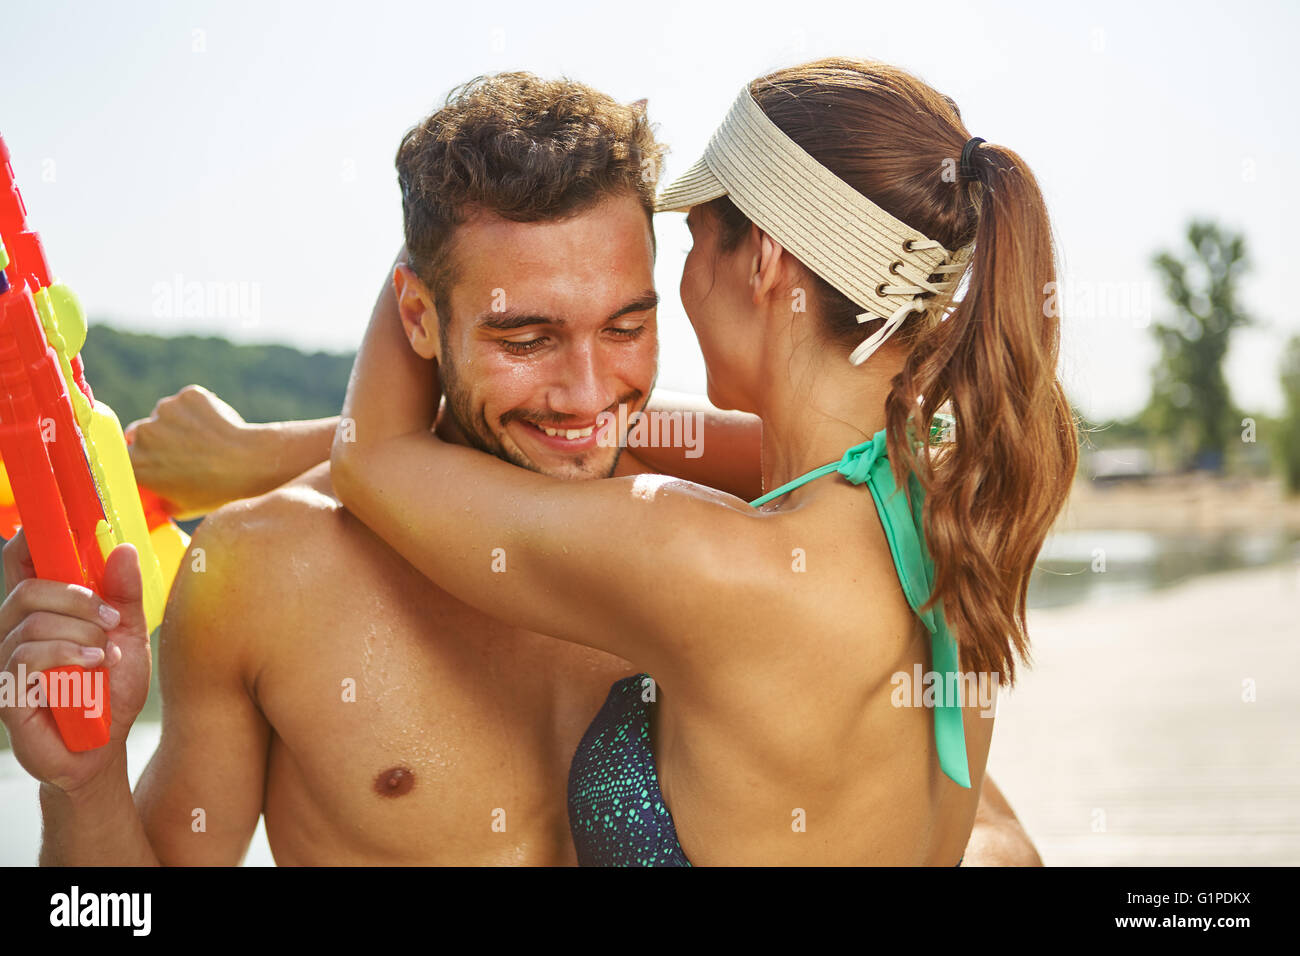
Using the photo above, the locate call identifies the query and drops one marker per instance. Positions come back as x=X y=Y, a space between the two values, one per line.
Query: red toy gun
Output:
x=66 y=468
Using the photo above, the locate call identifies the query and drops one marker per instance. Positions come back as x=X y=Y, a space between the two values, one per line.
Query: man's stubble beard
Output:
x=479 y=435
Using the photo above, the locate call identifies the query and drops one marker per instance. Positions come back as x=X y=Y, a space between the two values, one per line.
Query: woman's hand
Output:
x=198 y=453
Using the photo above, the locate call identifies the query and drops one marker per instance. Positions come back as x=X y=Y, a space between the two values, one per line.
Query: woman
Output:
x=834 y=214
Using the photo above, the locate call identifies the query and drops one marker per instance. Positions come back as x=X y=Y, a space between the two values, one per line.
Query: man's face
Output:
x=551 y=323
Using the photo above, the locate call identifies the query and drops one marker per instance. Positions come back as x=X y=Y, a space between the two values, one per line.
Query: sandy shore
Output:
x=1129 y=742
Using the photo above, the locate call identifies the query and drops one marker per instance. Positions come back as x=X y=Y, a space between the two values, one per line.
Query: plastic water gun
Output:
x=67 y=474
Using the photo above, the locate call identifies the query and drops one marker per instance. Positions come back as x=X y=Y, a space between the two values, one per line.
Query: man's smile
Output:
x=568 y=441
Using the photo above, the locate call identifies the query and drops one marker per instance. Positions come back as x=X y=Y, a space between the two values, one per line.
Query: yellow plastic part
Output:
x=170 y=545
x=110 y=463
x=65 y=329
x=6 y=491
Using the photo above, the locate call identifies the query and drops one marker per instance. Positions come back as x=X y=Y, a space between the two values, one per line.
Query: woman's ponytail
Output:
x=993 y=492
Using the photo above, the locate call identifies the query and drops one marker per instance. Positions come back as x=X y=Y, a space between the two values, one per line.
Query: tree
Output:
x=266 y=383
x=1190 y=401
x=1290 y=425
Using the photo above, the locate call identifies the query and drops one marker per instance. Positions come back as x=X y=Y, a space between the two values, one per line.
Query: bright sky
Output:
x=248 y=146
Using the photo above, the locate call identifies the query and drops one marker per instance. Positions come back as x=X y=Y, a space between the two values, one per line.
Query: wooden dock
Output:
x=1133 y=741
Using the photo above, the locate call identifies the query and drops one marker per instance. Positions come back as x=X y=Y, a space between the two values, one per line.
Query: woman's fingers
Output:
x=67 y=600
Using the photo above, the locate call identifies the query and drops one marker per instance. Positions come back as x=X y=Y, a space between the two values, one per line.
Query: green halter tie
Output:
x=868 y=464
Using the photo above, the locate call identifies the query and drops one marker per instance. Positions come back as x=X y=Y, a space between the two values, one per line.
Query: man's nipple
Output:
x=394 y=782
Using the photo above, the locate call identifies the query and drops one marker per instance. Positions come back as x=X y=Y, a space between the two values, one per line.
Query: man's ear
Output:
x=419 y=314
x=767 y=266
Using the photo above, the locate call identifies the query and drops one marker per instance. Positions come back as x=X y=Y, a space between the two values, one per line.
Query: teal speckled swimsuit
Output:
x=616 y=810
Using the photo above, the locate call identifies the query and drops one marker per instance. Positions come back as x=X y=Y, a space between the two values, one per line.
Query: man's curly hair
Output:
x=524 y=148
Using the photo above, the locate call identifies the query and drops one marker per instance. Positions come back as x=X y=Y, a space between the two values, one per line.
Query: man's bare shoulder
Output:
x=257 y=564
x=304 y=506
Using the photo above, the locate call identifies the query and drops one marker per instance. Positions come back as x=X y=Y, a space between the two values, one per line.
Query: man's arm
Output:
x=198 y=453
x=997 y=838
x=201 y=794
x=726 y=451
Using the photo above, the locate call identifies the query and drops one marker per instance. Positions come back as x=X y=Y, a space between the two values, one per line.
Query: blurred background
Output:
x=216 y=183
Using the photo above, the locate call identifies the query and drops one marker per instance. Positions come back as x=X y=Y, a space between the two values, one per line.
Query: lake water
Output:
x=1083 y=566
x=1074 y=568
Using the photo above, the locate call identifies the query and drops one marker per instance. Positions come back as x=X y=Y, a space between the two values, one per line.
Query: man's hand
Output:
x=46 y=624
x=193 y=451
x=198 y=453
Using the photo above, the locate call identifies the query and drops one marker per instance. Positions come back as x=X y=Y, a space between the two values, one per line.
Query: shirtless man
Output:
x=309 y=674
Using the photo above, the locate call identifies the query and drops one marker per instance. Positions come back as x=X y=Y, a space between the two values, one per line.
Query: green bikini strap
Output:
x=868 y=464
x=801 y=480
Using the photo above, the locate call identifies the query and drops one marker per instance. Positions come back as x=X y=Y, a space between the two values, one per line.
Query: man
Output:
x=309 y=674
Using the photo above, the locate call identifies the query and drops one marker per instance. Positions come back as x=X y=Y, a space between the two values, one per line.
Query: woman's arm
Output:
x=595 y=562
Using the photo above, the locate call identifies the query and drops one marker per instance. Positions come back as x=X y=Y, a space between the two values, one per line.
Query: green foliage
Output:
x=131 y=371
x=1190 y=402
x=1289 y=426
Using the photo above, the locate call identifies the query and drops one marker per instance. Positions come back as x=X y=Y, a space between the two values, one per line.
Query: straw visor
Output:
x=879 y=262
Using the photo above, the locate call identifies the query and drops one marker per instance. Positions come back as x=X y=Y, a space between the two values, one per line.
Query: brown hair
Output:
x=525 y=148
x=994 y=491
